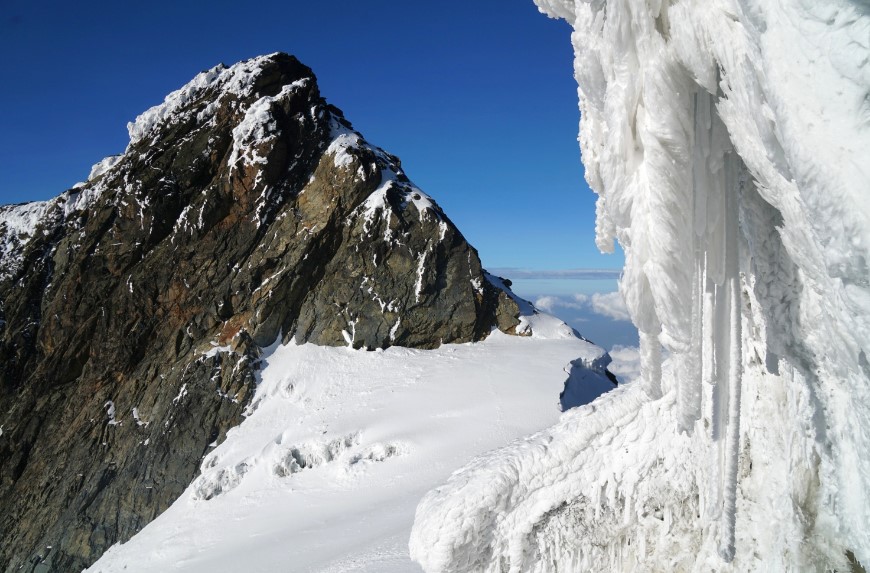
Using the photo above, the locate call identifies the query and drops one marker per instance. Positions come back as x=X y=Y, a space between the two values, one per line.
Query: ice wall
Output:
x=728 y=142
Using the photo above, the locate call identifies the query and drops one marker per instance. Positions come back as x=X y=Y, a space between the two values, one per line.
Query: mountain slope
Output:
x=133 y=307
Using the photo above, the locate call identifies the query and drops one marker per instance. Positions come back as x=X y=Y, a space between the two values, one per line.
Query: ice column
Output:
x=713 y=364
x=735 y=362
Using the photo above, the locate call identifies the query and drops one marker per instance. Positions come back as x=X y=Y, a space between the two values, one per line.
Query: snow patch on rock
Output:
x=17 y=225
x=344 y=140
x=237 y=79
x=103 y=166
x=259 y=126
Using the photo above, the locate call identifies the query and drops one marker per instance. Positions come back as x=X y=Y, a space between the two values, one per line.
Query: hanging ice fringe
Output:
x=728 y=142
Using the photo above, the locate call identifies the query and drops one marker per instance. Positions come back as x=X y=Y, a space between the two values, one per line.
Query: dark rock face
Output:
x=133 y=308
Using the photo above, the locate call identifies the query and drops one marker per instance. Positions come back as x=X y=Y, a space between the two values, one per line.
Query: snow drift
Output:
x=727 y=142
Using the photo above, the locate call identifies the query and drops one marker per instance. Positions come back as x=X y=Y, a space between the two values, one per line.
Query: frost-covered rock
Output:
x=727 y=142
x=133 y=307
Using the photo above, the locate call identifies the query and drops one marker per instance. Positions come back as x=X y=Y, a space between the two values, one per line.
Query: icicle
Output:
x=735 y=371
x=708 y=375
x=716 y=343
x=651 y=364
x=716 y=235
x=708 y=348
x=719 y=221
x=689 y=387
x=597 y=500
x=700 y=171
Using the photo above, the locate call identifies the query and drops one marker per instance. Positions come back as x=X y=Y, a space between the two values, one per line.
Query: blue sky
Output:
x=477 y=99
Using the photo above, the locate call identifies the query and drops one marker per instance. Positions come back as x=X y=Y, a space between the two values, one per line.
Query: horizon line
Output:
x=522 y=273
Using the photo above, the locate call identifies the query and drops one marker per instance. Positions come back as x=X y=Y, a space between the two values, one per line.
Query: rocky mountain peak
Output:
x=133 y=307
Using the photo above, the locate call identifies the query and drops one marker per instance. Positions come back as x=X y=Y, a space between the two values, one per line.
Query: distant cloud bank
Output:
x=608 y=304
x=514 y=273
x=626 y=362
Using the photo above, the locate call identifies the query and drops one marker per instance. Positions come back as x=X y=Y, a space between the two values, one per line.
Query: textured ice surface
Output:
x=728 y=143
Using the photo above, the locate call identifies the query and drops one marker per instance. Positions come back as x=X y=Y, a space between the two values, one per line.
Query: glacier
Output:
x=727 y=141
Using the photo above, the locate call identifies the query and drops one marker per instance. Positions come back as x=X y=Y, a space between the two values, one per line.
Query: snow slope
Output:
x=339 y=446
x=727 y=141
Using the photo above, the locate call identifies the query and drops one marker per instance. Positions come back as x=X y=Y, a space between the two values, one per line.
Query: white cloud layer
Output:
x=515 y=273
x=626 y=362
x=608 y=304
x=550 y=303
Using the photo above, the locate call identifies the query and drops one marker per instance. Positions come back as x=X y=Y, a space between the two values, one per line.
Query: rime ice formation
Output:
x=727 y=141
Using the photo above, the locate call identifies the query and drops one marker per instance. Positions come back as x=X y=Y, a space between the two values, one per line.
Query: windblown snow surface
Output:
x=728 y=141
x=340 y=445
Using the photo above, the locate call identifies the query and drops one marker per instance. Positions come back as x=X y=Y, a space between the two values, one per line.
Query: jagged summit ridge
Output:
x=238 y=80
x=245 y=208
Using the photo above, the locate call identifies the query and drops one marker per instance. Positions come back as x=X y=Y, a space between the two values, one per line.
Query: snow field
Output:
x=340 y=445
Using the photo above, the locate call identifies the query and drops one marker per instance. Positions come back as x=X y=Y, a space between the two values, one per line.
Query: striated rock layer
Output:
x=133 y=307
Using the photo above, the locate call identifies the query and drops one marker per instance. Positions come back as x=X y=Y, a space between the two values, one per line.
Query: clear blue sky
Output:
x=476 y=97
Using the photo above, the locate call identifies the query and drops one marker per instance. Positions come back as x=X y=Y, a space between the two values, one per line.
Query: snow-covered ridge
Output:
x=237 y=79
x=103 y=166
x=728 y=146
x=17 y=225
x=184 y=175
x=344 y=142
x=22 y=219
x=18 y=221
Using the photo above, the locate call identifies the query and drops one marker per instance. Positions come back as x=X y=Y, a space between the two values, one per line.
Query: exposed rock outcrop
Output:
x=134 y=306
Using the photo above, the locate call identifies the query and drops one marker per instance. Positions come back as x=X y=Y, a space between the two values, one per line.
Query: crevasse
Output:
x=727 y=141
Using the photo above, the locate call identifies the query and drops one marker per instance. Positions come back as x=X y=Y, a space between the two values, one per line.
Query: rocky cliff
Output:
x=133 y=307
